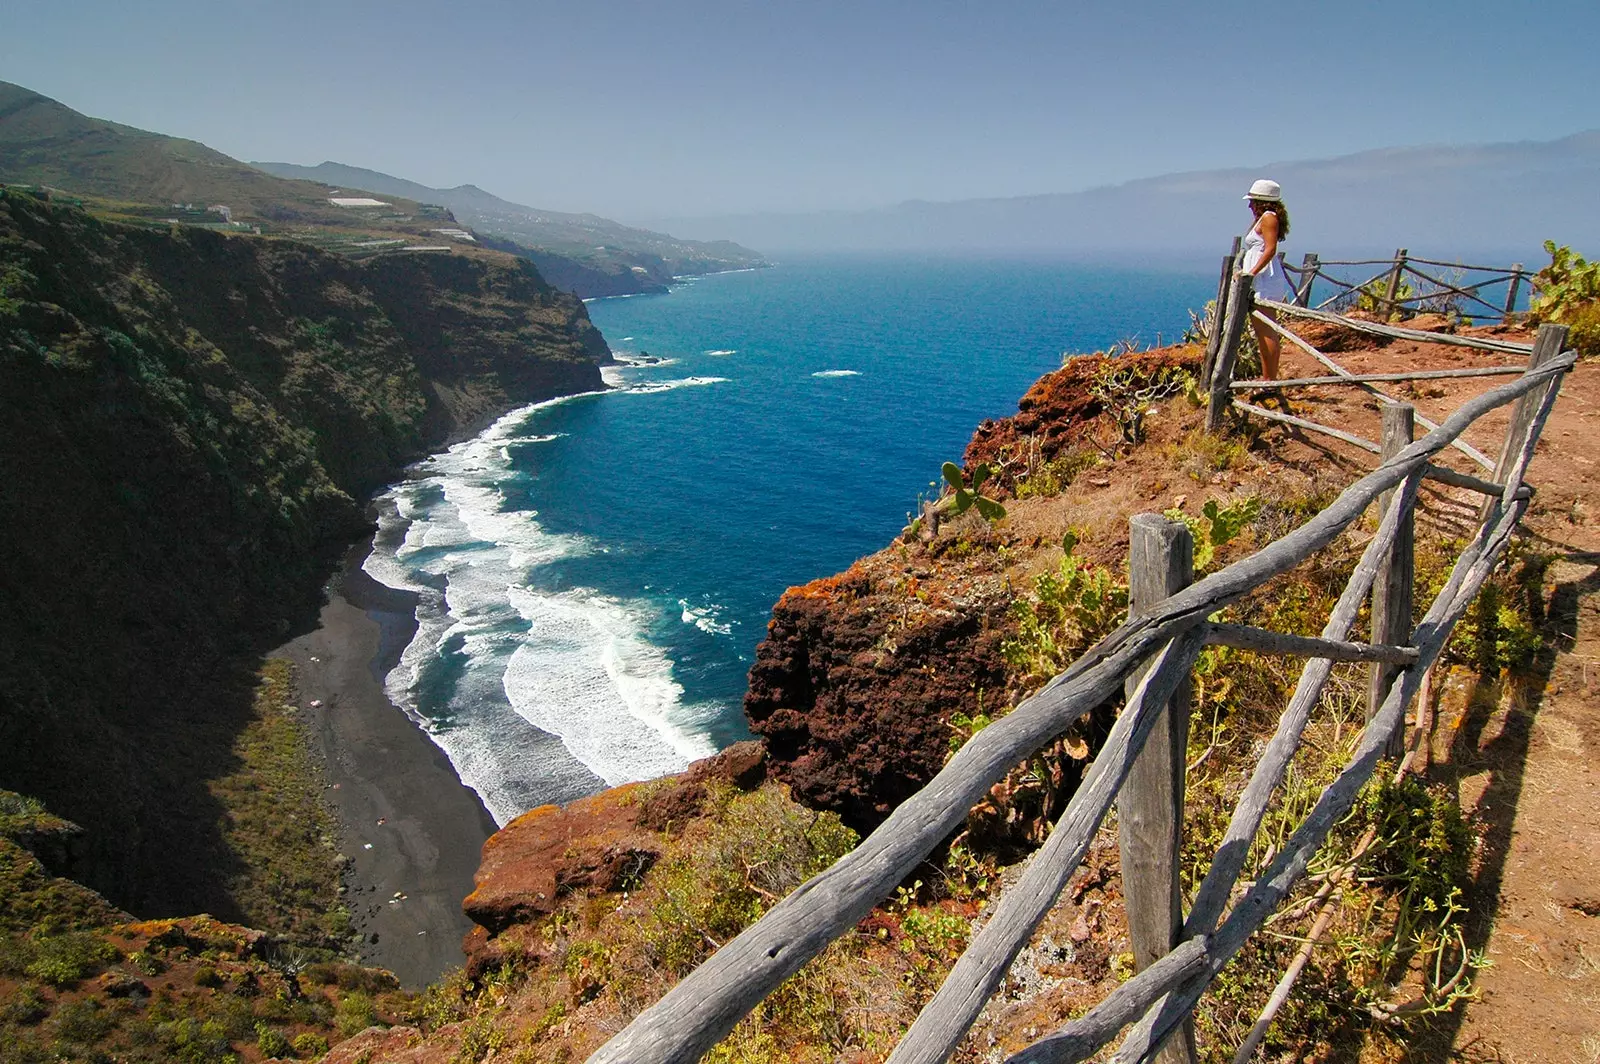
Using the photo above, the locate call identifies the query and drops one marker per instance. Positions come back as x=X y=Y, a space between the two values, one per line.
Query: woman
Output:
x=1260 y=261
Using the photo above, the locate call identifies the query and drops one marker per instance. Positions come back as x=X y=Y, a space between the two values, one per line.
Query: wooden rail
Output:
x=1382 y=290
x=1151 y=653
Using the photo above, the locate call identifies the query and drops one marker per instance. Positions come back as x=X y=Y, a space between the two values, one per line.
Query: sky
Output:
x=639 y=111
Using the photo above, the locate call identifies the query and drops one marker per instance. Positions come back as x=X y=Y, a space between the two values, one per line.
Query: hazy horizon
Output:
x=643 y=112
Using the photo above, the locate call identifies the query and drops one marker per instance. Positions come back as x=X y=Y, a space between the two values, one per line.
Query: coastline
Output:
x=407 y=823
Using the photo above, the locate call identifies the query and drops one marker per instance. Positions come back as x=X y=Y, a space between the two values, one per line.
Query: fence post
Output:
x=1308 y=277
x=1391 y=590
x=1394 y=282
x=1511 y=293
x=1241 y=300
x=1214 y=340
x=1150 y=806
x=1547 y=344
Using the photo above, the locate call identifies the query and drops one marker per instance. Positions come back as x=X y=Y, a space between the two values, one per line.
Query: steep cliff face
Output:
x=862 y=681
x=855 y=683
x=187 y=424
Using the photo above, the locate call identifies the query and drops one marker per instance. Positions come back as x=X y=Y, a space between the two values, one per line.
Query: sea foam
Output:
x=536 y=695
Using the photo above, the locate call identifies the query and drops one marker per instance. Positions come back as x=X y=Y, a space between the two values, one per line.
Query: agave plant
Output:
x=966 y=497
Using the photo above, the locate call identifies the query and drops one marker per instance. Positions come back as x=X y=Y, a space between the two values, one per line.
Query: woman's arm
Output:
x=1269 y=240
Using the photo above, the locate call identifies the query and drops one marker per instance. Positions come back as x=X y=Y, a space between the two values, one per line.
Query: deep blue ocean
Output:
x=595 y=572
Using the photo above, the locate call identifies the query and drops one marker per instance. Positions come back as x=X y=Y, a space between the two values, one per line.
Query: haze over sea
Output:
x=595 y=572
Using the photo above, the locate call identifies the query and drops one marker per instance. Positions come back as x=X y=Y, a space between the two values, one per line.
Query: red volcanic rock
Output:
x=852 y=688
x=743 y=764
x=598 y=844
x=549 y=851
x=1057 y=412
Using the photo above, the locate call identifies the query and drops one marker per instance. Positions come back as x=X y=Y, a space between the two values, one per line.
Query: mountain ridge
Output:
x=1448 y=199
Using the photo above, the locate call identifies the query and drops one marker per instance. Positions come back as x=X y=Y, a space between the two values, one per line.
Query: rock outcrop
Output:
x=855 y=686
x=597 y=845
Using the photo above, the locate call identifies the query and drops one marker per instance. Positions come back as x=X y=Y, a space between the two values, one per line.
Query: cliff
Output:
x=855 y=687
x=190 y=421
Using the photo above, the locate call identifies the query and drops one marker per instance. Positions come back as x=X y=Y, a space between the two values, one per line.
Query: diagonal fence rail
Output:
x=1151 y=655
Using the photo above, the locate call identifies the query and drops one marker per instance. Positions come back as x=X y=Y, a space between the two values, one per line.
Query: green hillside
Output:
x=43 y=142
x=188 y=423
x=585 y=252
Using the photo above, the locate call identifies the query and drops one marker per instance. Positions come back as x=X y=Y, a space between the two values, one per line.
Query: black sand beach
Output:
x=408 y=825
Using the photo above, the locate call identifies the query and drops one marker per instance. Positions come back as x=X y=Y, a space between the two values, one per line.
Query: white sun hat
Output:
x=1265 y=190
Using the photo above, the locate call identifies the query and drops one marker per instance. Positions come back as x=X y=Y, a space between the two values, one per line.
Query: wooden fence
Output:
x=1391 y=291
x=1141 y=765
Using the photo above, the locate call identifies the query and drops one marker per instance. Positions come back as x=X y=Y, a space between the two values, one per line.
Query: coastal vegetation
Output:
x=82 y=981
x=1568 y=293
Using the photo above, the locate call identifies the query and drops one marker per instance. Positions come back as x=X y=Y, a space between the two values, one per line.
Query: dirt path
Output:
x=1523 y=754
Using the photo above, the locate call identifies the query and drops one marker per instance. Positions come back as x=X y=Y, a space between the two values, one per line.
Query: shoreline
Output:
x=407 y=824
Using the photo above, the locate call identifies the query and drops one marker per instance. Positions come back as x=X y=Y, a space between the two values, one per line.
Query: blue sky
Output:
x=644 y=110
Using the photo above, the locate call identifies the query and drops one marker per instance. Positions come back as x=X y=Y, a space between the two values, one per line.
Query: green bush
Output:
x=1568 y=293
x=1070 y=609
x=762 y=848
x=271 y=1042
x=310 y=1045
x=355 y=1014
x=25 y=1006
x=61 y=960
x=82 y=1022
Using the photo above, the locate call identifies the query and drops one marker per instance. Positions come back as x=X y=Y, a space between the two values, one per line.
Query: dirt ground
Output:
x=1522 y=754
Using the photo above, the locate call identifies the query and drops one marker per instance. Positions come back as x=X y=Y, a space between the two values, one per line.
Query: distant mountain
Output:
x=593 y=255
x=1445 y=200
x=43 y=142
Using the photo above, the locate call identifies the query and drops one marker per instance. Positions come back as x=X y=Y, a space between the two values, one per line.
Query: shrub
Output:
x=1568 y=293
x=1056 y=475
x=762 y=848
x=1070 y=609
x=355 y=1014
x=271 y=1042
x=25 y=1006
x=61 y=960
x=310 y=1045
x=1216 y=526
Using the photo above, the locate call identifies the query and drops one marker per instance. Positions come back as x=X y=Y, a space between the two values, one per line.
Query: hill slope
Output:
x=43 y=142
x=598 y=256
x=188 y=422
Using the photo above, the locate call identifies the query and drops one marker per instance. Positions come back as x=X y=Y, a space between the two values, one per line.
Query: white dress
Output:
x=1270 y=282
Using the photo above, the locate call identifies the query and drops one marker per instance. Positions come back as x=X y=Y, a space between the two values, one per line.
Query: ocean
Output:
x=594 y=572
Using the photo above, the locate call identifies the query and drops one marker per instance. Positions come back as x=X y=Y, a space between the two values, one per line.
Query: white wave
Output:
x=650 y=387
x=624 y=340
x=721 y=352
x=531 y=694
x=585 y=672
x=613 y=377
x=837 y=373
x=705 y=618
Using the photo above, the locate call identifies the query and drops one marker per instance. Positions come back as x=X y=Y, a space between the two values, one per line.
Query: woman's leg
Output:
x=1267 y=343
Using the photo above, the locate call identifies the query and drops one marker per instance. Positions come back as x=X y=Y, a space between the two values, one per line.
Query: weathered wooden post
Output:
x=1150 y=807
x=1547 y=344
x=1241 y=300
x=1214 y=340
x=1391 y=591
x=1511 y=293
x=1391 y=295
x=1308 y=277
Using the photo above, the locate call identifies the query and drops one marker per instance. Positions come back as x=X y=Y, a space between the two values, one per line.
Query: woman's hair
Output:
x=1277 y=207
